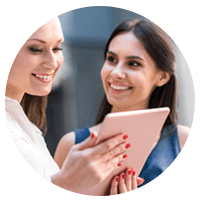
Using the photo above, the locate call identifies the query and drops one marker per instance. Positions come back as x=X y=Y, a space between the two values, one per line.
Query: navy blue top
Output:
x=160 y=157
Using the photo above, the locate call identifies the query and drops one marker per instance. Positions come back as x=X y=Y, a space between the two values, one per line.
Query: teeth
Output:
x=118 y=87
x=47 y=78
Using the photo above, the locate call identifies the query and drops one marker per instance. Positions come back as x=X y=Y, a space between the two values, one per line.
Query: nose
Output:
x=50 y=61
x=118 y=72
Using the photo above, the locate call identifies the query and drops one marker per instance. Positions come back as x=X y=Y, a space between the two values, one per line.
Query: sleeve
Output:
x=30 y=155
x=24 y=146
x=81 y=135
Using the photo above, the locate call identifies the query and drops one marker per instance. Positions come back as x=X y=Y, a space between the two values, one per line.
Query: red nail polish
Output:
x=117 y=179
x=125 y=156
x=134 y=173
x=130 y=171
x=143 y=180
x=119 y=164
x=128 y=145
x=123 y=175
x=92 y=135
x=125 y=137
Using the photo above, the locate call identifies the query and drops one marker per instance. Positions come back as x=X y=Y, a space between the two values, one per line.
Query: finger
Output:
x=109 y=144
x=122 y=186
x=114 y=163
x=134 y=180
x=118 y=150
x=128 y=179
x=140 y=181
x=89 y=142
x=114 y=186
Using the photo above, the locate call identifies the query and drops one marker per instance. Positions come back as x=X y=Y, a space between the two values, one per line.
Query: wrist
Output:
x=57 y=179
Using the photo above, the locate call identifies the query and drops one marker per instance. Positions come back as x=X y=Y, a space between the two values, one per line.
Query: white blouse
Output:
x=29 y=140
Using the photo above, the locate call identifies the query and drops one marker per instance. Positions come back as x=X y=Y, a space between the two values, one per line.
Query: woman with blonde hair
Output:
x=29 y=83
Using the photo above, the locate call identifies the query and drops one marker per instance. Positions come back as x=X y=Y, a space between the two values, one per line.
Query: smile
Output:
x=118 y=89
x=43 y=78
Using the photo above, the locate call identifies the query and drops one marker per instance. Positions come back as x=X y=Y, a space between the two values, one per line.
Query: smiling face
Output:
x=37 y=62
x=129 y=74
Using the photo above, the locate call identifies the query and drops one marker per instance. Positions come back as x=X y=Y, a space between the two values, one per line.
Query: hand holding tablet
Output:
x=141 y=129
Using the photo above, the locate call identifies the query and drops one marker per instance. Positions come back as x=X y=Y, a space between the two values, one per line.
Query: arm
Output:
x=63 y=148
x=183 y=133
x=87 y=164
x=30 y=155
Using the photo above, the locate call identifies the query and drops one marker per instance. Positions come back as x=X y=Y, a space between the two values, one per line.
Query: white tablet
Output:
x=142 y=127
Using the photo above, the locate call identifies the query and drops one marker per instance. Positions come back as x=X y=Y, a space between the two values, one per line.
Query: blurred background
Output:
x=77 y=89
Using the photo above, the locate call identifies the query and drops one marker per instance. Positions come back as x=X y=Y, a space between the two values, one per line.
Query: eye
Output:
x=34 y=49
x=111 y=59
x=134 y=64
x=57 y=49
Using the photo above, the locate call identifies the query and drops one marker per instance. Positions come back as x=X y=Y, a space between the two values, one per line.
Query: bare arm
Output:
x=183 y=133
x=63 y=148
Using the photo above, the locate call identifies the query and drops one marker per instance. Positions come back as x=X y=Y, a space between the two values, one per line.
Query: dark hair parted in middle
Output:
x=160 y=48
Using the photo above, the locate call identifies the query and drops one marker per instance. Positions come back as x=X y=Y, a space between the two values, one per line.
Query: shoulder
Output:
x=15 y=128
x=183 y=133
x=63 y=148
x=95 y=128
x=66 y=143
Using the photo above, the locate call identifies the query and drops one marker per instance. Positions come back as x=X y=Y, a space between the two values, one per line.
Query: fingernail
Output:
x=117 y=178
x=134 y=173
x=123 y=175
x=130 y=171
x=143 y=180
x=125 y=156
x=125 y=137
x=92 y=135
x=128 y=145
x=119 y=164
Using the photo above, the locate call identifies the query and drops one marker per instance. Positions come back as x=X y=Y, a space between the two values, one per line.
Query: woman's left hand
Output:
x=125 y=182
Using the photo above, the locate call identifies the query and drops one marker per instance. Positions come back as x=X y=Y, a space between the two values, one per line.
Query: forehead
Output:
x=127 y=44
x=50 y=30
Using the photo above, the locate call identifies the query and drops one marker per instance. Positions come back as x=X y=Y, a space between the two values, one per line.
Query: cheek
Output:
x=137 y=78
x=142 y=85
x=59 y=60
x=103 y=73
x=18 y=70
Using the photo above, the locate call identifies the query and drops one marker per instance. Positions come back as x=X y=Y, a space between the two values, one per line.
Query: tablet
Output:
x=142 y=127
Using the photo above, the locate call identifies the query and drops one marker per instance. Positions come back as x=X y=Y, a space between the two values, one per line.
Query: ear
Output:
x=163 y=79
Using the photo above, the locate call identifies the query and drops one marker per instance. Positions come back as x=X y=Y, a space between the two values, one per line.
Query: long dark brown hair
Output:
x=159 y=46
x=35 y=109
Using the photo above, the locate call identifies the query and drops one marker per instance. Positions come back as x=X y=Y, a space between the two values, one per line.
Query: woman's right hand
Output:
x=125 y=182
x=88 y=164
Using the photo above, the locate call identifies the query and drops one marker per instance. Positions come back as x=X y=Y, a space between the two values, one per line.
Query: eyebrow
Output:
x=129 y=57
x=42 y=41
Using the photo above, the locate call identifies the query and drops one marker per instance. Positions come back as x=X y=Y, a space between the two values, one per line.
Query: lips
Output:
x=119 y=86
x=43 y=77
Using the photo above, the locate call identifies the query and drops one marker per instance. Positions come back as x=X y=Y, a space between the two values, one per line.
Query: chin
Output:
x=44 y=93
x=114 y=102
x=41 y=92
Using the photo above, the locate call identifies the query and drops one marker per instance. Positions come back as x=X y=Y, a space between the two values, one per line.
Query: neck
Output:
x=13 y=93
x=124 y=109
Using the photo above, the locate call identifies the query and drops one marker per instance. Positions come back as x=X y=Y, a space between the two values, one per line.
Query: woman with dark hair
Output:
x=138 y=73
